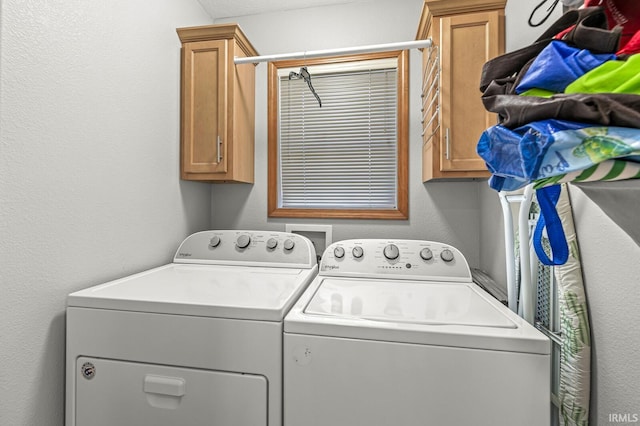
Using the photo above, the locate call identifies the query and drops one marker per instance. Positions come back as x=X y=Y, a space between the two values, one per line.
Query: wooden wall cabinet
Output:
x=466 y=33
x=217 y=105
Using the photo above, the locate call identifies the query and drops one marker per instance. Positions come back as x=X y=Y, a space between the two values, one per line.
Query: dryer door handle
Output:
x=162 y=385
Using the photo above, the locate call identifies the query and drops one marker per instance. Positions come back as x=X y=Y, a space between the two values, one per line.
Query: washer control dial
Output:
x=214 y=241
x=272 y=243
x=391 y=252
x=357 y=252
x=426 y=254
x=243 y=241
x=289 y=244
x=338 y=252
x=446 y=255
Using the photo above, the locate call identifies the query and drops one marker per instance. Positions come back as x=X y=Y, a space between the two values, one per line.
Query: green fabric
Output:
x=541 y=93
x=616 y=170
x=608 y=170
x=587 y=173
x=610 y=77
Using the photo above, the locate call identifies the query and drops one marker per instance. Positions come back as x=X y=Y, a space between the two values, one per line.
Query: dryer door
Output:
x=122 y=393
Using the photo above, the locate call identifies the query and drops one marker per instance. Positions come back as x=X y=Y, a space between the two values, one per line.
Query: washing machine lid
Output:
x=406 y=302
x=255 y=293
x=438 y=313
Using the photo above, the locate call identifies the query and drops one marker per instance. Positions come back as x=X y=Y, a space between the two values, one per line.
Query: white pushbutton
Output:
x=357 y=252
x=338 y=252
x=391 y=252
x=289 y=244
x=272 y=243
x=243 y=241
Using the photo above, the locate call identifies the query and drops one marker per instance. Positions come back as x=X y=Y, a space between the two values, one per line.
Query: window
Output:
x=349 y=157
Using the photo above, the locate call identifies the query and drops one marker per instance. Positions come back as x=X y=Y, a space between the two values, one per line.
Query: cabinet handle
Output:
x=219 y=150
x=446 y=143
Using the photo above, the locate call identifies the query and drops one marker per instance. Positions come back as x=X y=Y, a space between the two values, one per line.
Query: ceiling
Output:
x=219 y=9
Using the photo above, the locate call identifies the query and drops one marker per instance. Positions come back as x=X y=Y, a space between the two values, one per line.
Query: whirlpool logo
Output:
x=330 y=267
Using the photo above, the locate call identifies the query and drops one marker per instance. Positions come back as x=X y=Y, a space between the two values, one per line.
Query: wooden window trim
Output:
x=402 y=210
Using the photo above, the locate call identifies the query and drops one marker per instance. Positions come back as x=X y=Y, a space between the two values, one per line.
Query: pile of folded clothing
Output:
x=568 y=104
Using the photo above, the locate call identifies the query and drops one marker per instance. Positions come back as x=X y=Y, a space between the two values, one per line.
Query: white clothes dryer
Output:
x=395 y=333
x=195 y=342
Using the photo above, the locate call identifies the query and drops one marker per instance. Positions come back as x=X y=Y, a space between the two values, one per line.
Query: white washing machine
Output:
x=192 y=343
x=395 y=333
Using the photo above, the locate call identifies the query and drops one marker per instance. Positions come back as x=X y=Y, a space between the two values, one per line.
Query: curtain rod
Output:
x=336 y=52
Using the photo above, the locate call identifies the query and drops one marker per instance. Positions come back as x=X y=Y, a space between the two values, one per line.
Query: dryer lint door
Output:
x=112 y=392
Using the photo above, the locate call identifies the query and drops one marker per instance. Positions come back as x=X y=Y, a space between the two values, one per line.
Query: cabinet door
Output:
x=204 y=111
x=467 y=41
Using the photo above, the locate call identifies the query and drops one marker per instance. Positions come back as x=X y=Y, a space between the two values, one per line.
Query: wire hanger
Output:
x=304 y=74
x=549 y=12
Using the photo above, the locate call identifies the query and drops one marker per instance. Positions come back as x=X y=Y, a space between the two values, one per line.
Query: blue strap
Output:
x=547 y=199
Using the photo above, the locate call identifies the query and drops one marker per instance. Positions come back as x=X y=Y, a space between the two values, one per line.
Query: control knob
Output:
x=338 y=252
x=272 y=243
x=289 y=244
x=426 y=254
x=357 y=252
x=391 y=252
x=446 y=255
x=214 y=241
x=243 y=241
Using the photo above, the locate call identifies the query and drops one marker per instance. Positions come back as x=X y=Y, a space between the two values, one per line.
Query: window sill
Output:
x=340 y=214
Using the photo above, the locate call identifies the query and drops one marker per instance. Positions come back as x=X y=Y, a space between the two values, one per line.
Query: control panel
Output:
x=250 y=248
x=397 y=259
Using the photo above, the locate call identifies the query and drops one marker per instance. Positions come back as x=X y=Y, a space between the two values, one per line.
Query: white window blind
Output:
x=342 y=155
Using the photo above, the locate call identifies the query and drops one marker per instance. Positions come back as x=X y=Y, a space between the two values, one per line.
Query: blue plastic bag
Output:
x=549 y=148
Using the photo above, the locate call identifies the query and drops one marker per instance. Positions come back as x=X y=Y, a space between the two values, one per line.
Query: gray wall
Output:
x=612 y=275
x=89 y=188
x=447 y=212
